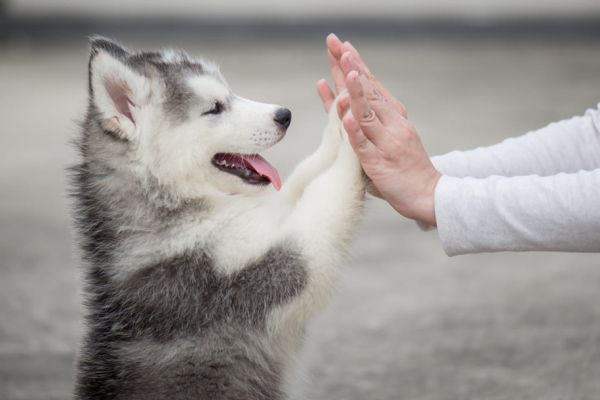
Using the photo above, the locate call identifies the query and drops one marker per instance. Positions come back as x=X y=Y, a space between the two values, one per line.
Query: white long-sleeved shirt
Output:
x=540 y=191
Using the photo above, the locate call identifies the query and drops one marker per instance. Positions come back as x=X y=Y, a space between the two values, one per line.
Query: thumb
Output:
x=326 y=94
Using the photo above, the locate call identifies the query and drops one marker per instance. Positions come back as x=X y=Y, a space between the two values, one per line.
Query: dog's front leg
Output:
x=324 y=220
x=318 y=162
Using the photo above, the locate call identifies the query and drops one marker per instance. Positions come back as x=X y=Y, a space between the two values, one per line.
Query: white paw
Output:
x=333 y=111
x=334 y=125
x=346 y=153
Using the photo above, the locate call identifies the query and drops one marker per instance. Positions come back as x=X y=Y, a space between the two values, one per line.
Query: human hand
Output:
x=389 y=148
x=335 y=50
x=334 y=53
x=387 y=144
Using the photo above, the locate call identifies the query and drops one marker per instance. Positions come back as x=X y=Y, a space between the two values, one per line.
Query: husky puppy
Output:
x=199 y=277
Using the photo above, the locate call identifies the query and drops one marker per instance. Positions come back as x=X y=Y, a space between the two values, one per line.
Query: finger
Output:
x=339 y=78
x=348 y=47
x=348 y=63
x=343 y=104
x=377 y=101
x=334 y=45
x=325 y=93
x=362 y=112
x=363 y=147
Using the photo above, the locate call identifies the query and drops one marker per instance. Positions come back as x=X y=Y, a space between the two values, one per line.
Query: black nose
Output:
x=283 y=117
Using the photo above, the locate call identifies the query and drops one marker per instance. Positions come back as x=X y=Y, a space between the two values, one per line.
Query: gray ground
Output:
x=407 y=322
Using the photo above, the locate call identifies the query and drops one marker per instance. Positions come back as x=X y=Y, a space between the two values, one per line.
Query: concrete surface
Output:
x=407 y=322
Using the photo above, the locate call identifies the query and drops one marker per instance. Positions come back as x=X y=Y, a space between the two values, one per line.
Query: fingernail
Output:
x=351 y=58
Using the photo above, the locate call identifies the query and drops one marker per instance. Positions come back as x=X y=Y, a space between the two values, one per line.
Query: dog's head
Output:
x=174 y=117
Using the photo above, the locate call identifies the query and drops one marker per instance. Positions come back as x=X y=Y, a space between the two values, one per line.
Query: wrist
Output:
x=427 y=211
x=421 y=207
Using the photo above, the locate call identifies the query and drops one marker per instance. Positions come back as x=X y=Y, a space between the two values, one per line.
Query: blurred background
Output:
x=407 y=322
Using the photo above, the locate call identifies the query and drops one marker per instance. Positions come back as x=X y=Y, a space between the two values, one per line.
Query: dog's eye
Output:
x=217 y=108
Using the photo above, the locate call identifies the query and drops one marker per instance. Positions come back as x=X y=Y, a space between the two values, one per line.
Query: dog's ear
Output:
x=116 y=90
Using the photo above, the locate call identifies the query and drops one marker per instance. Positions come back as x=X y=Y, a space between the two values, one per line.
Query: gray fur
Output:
x=208 y=324
x=173 y=327
x=179 y=98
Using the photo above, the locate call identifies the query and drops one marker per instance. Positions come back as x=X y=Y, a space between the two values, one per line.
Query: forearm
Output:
x=566 y=146
x=556 y=213
x=306 y=171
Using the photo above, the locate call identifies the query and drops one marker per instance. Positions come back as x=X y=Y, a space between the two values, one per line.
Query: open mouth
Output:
x=253 y=169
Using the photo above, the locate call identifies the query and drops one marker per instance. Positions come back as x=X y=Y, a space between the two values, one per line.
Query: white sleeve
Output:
x=567 y=146
x=540 y=191
x=555 y=213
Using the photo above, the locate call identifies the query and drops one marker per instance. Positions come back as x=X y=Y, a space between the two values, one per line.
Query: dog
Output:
x=200 y=268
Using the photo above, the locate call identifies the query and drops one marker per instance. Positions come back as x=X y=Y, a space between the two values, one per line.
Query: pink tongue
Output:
x=263 y=167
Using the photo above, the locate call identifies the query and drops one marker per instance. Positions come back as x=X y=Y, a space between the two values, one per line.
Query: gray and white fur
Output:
x=199 y=278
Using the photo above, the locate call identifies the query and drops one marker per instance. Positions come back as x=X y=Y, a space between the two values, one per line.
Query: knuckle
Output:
x=375 y=95
x=400 y=108
x=405 y=124
x=403 y=112
x=362 y=144
x=368 y=117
